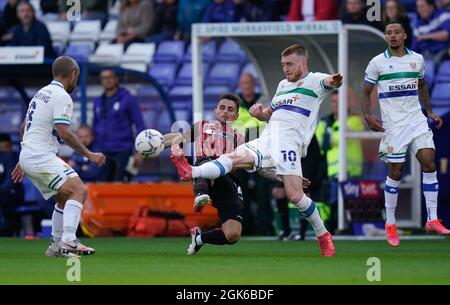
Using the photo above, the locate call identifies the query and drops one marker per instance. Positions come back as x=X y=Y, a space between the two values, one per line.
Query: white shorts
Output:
x=47 y=173
x=394 y=145
x=284 y=156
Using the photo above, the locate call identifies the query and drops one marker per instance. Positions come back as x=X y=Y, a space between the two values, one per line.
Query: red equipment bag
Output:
x=152 y=223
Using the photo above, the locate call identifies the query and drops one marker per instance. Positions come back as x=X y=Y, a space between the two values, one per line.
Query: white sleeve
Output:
x=422 y=69
x=372 y=74
x=321 y=77
x=62 y=111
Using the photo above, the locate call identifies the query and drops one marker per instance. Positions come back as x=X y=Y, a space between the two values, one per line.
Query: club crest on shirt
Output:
x=390 y=150
x=413 y=65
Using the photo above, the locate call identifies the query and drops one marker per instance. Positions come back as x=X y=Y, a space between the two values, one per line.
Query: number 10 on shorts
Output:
x=289 y=155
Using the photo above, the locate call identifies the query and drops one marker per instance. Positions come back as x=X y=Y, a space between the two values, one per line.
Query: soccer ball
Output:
x=149 y=143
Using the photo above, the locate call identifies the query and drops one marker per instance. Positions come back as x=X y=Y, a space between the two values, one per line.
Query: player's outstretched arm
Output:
x=72 y=140
x=424 y=98
x=333 y=81
x=366 y=107
x=262 y=114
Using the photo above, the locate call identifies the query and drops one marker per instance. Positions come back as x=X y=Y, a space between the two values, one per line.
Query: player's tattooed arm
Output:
x=424 y=98
x=72 y=140
x=366 y=107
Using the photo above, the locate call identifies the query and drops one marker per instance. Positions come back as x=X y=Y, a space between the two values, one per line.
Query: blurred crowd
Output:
x=117 y=117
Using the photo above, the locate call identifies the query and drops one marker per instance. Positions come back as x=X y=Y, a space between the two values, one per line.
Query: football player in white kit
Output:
x=49 y=114
x=292 y=118
x=398 y=73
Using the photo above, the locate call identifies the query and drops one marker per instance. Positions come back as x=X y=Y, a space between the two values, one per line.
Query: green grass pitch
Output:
x=164 y=261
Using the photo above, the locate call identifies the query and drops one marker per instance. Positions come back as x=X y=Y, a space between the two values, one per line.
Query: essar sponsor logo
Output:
x=402 y=87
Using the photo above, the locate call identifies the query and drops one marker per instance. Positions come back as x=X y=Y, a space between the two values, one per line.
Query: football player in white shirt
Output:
x=292 y=120
x=398 y=74
x=48 y=117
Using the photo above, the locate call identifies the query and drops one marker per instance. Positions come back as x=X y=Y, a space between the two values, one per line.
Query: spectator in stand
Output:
x=355 y=13
x=311 y=10
x=221 y=11
x=189 y=12
x=257 y=10
x=165 y=24
x=87 y=170
x=11 y=194
x=135 y=19
x=431 y=31
x=8 y=20
x=394 y=10
x=117 y=120
x=31 y=32
x=90 y=9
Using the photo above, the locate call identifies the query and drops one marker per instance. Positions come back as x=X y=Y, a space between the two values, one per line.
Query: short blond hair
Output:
x=295 y=49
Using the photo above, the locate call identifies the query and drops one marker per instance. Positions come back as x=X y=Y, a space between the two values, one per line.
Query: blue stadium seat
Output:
x=181 y=91
x=169 y=51
x=184 y=77
x=230 y=51
x=164 y=73
x=430 y=72
x=223 y=74
x=444 y=72
x=79 y=51
x=208 y=52
x=441 y=94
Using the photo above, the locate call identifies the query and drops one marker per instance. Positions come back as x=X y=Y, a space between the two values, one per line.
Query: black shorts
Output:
x=226 y=196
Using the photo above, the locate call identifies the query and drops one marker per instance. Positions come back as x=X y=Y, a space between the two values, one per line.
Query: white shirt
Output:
x=50 y=105
x=296 y=107
x=397 y=81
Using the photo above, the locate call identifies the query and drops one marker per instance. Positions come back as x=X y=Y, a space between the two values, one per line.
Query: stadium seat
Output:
x=79 y=51
x=444 y=72
x=441 y=94
x=170 y=51
x=59 y=31
x=138 y=56
x=181 y=91
x=208 y=52
x=86 y=31
x=223 y=74
x=429 y=73
x=230 y=51
x=109 y=32
x=184 y=77
x=107 y=54
x=164 y=73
